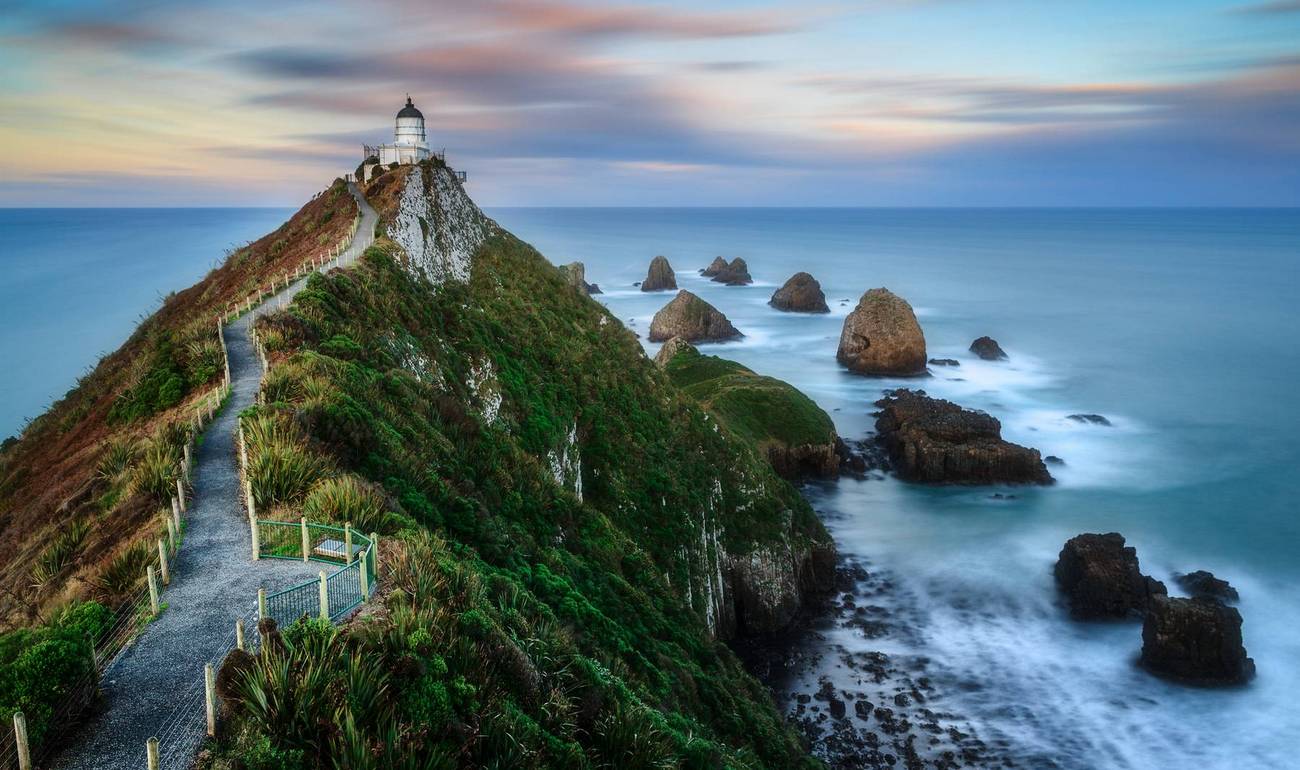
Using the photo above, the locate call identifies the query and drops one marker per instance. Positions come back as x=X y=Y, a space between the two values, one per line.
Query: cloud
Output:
x=593 y=21
x=1270 y=9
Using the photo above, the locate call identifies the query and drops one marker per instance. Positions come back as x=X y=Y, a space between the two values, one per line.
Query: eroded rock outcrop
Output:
x=1195 y=640
x=801 y=294
x=1205 y=585
x=938 y=442
x=988 y=349
x=576 y=274
x=437 y=225
x=735 y=273
x=716 y=266
x=692 y=319
x=670 y=350
x=882 y=337
x=660 y=276
x=1100 y=578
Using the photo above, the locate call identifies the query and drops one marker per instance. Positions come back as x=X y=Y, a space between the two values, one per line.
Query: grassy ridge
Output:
x=762 y=409
x=530 y=626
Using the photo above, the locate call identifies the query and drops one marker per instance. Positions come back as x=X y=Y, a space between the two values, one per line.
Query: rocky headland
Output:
x=934 y=441
x=881 y=336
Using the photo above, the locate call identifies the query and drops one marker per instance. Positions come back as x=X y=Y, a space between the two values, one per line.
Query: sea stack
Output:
x=692 y=319
x=734 y=274
x=716 y=266
x=881 y=337
x=576 y=274
x=934 y=441
x=801 y=294
x=1196 y=641
x=1100 y=578
x=660 y=276
x=988 y=349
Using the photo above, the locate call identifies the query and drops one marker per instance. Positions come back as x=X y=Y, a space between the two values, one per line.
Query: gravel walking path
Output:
x=149 y=689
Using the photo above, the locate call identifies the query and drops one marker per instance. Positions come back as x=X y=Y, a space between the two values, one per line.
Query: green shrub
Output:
x=160 y=386
x=346 y=499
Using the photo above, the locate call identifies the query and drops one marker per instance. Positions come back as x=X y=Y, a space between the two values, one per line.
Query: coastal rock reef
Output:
x=1100 y=578
x=1195 y=640
x=938 y=442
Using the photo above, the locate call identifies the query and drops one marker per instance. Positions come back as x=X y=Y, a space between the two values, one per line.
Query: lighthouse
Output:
x=410 y=143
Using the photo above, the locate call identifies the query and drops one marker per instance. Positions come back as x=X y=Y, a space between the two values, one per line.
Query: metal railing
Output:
x=331 y=595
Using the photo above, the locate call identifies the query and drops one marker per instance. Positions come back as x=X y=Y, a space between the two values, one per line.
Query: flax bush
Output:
x=346 y=499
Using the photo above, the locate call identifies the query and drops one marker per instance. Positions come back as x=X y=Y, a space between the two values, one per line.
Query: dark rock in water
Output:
x=938 y=442
x=801 y=294
x=1100 y=578
x=1205 y=585
x=660 y=276
x=988 y=349
x=1196 y=641
x=944 y=362
x=881 y=337
x=1094 y=419
x=716 y=266
x=838 y=708
x=692 y=319
x=1053 y=460
x=734 y=274
x=576 y=274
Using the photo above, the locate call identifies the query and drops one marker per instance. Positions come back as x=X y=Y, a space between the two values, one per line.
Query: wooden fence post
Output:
x=187 y=460
x=364 y=577
x=347 y=542
x=210 y=695
x=20 y=741
x=261 y=603
x=324 y=597
x=162 y=562
x=151 y=753
x=255 y=536
x=153 y=590
x=248 y=494
x=239 y=633
x=306 y=540
x=171 y=535
x=180 y=495
x=374 y=552
x=176 y=514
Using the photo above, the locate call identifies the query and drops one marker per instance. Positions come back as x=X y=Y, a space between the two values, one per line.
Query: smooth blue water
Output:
x=1180 y=326
x=74 y=283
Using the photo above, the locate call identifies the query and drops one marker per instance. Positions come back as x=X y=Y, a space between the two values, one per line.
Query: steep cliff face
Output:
x=528 y=446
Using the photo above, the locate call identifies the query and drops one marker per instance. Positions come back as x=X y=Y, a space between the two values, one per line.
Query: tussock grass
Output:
x=60 y=553
x=155 y=472
x=119 y=454
x=346 y=499
x=280 y=465
x=126 y=571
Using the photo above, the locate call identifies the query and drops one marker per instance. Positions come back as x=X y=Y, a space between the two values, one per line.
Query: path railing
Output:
x=332 y=594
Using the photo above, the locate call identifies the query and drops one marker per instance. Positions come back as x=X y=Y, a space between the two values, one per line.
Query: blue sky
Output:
x=567 y=102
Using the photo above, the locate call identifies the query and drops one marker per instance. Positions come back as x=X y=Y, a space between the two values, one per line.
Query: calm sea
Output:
x=1180 y=326
x=74 y=283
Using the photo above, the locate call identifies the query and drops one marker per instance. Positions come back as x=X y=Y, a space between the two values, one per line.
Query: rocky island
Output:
x=691 y=318
x=800 y=294
x=882 y=337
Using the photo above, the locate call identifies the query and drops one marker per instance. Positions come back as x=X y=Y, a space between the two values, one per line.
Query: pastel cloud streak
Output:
x=569 y=102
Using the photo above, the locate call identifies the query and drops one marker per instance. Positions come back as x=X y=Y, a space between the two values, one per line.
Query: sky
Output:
x=704 y=103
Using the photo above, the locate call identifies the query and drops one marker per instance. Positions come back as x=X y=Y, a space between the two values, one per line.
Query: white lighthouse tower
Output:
x=410 y=144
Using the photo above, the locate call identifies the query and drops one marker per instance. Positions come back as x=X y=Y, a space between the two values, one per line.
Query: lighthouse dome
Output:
x=410 y=111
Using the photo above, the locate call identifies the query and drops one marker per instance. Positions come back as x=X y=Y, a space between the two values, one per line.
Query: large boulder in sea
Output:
x=801 y=294
x=881 y=337
x=692 y=319
x=988 y=349
x=1195 y=640
x=660 y=276
x=938 y=442
x=716 y=266
x=1100 y=578
x=576 y=274
x=734 y=274
x=797 y=437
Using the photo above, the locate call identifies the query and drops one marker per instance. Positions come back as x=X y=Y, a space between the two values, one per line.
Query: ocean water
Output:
x=74 y=283
x=1180 y=326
